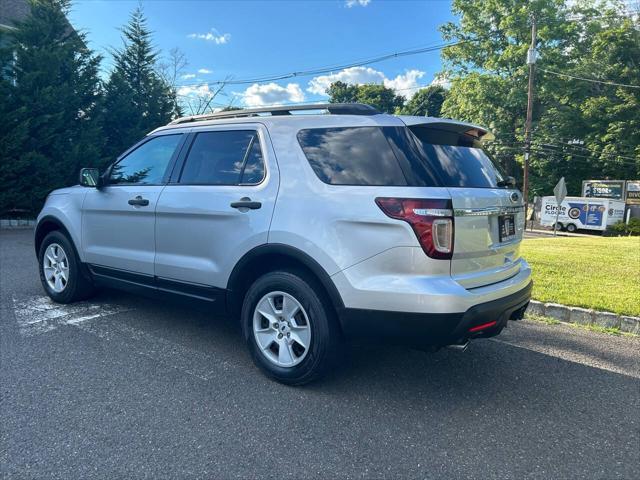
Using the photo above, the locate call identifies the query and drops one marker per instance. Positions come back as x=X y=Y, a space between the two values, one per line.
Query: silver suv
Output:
x=311 y=224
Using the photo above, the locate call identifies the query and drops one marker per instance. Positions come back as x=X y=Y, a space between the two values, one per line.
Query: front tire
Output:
x=61 y=272
x=290 y=327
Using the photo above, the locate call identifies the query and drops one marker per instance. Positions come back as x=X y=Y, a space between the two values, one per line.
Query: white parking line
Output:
x=39 y=315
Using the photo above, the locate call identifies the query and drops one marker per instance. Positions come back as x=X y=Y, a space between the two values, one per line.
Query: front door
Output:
x=118 y=220
x=217 y=207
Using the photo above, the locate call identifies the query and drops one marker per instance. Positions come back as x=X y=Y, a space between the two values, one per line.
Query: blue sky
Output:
x=249 y=39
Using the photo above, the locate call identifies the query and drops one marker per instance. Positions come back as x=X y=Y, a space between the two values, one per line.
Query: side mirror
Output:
x=509 y=182
x=90 y=177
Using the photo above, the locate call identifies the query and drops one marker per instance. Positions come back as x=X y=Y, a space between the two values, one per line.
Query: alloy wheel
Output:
x=55 y=266
x=281 y=329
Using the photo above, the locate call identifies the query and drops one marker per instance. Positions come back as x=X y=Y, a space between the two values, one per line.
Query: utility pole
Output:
x=531 y=61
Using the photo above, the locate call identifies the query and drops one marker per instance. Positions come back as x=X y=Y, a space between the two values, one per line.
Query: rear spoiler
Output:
x=475 y=131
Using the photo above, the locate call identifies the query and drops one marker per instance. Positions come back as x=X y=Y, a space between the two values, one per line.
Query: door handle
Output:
x=139 y=201
x=246 y=202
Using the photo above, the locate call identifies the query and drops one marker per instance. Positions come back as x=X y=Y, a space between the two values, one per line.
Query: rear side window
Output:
x=229 y=157
x=351 y=156
x=456 y=159
x=147 y=163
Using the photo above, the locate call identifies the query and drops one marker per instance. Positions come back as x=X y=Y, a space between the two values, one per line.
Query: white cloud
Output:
x=205 y=71
x=188 y=76
x=353 y=76
x=212 y=36
x=405 y=84
x=356 y=3
x=195 y=91
x=272 y=94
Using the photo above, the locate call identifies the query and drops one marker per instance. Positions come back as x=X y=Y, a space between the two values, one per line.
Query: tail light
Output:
x=431 y=220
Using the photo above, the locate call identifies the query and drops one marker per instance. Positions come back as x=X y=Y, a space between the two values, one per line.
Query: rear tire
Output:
x=283 y=308
x=63 y=276
x=571 y=228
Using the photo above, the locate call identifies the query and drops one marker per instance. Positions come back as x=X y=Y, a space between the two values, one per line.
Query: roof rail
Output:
x=332 y=108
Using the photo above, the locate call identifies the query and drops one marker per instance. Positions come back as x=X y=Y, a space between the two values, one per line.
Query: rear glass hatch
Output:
x=488 y=211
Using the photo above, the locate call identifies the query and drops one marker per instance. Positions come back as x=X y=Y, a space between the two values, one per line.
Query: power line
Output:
x=549 y=143
x=559 y=142
x=574 y=157
x=318 y=71
x=637 y=159
x=549 y=150
x=589 y=79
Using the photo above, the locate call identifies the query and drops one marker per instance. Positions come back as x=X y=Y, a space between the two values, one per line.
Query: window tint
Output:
x=147 y=163
x=254 y=167
x=456 y=159
x=351 y=156
x=224 y=158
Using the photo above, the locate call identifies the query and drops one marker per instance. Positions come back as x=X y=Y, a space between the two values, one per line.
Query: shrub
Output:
x=621 y=228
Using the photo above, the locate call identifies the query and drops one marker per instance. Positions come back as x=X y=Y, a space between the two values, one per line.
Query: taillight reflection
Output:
x=431 y=220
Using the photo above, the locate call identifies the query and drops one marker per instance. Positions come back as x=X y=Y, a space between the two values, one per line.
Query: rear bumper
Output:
x=404 y=279
x=436 y=329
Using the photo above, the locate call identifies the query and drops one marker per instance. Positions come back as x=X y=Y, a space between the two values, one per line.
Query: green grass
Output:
x=602 y=273
x=593 y=328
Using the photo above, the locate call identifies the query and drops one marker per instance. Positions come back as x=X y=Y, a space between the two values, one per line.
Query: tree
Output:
x=50 y=91
x=581 y=129
x=427 y=102
x=137 y=98
x=378 y=96
x=341 y=92
x=169 y=70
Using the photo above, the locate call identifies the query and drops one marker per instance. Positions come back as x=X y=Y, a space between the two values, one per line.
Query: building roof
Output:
x=12 y=11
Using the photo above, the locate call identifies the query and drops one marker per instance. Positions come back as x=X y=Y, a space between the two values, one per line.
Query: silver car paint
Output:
x=116 y=234
x=199 y=237
x=65 y=205
x=479 y=258
x=374 y=261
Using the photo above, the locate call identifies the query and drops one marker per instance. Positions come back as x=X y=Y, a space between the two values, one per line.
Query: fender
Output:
x=63 y=208
x=43 y=227
x=295 y=254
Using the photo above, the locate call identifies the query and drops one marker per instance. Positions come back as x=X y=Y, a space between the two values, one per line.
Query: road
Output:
x=124 y=387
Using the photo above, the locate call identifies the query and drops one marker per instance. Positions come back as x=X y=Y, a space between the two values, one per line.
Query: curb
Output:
x=585 y=316
x=9 y=224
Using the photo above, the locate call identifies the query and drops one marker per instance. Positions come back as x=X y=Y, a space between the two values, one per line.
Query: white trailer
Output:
x=581 y=213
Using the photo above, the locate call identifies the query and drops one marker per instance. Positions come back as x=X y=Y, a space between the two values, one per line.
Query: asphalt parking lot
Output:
x=124 y=387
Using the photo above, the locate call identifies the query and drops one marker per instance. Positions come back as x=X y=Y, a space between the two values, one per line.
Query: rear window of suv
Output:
x=351 y=156
x=397 y=156
x=457 y=159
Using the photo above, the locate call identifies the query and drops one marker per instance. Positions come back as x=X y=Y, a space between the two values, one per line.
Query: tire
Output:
x=78 y=284
x=305 y=297
x=558 y=227
x=571 y=228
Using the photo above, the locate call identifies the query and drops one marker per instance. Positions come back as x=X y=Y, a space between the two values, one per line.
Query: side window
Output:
x=351 y=156
x=230 y=157
x=147 y=163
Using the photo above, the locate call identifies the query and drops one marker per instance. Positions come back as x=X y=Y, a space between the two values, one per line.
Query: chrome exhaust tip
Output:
x=460 y=347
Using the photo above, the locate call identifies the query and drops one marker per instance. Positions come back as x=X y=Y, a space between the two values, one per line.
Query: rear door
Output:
x=488 y=214
x=217 y=206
